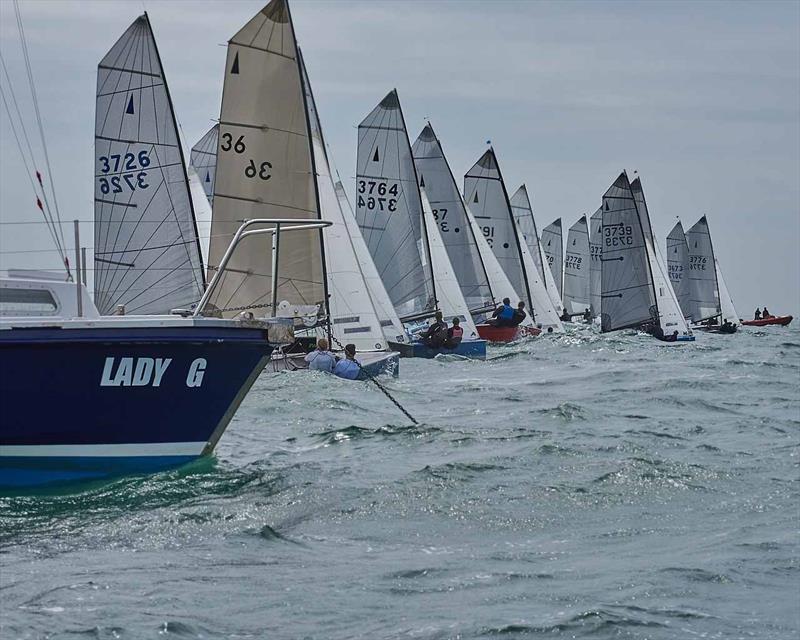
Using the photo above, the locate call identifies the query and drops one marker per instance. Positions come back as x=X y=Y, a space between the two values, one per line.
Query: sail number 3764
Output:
x=373 y=195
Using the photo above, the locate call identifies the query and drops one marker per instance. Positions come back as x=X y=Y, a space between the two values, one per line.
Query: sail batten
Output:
x=146 y=245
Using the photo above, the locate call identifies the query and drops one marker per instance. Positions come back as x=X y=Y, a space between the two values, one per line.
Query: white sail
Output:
x=448 y=290
x=353 y=315
x=595 y=261
x=553 y=247
x=627 y=286
x=726 y=304
x=202 y=212
x=576 y=268
x=146 y=250
x=389 y=321
x=704 y=303
x=498 y=280
x=447 y=207
x=678 y=267
x=542 y=310
x=670 y=316
x=204 y=161
x=523 y=217
x=265 y=169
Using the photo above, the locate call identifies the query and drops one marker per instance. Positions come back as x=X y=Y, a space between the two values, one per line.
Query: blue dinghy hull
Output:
x=91 y=403
x=473 y=349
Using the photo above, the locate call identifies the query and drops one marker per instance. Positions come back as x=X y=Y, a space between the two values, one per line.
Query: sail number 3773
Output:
x=378 y=195
x=260 y=170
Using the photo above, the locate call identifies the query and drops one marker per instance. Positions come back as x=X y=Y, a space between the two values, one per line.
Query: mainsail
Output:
x=704 y=301
x=354 y=318
x=265 y=170
x=576 y=268
x=553 y=247
x=146 y=250
x=526 y=224
x=726 y=304
x=389 y=209
x=678 y=267
x=595 y=257
x=627 y=285
x=447 y=208
x=204 y=161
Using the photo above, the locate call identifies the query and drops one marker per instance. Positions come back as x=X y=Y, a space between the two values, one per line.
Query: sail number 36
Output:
x=253 y=169
x=376 y=195
x=128 y=163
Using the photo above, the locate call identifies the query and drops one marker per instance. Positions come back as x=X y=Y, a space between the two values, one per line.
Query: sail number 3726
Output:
x=260 y=170
x=378 y=195
x=125 y=170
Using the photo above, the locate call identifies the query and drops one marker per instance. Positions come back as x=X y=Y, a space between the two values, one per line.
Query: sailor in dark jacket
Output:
x=436 y=334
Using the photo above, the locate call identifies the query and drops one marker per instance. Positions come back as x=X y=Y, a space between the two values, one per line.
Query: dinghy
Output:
x=577 y=286
x=147 y=255
x=678 y=267
x=778 y=320
x=488 y=201
x=707 y=309
x=595 y=264
x=553 y=247
x=403 y=239
x=631 y=291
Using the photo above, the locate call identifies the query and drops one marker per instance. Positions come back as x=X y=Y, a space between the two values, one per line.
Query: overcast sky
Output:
x=702 y=98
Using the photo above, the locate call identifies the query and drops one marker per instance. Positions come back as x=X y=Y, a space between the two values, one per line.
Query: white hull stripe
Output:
x=104 y=450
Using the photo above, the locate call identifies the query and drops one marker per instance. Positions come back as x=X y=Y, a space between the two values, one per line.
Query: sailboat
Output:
x=203 y=158
x=632 y=283
x=705 y=302
x=553 y=247
x=595 y=261
x=401 y=233
x=147 y=252
x=483 y=286
x=577 y=285
x=678 y=267
x=487 y=199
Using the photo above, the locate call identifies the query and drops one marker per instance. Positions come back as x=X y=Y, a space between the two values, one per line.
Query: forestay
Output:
x=486 y=196
x=447 y=208
x=627 y=287
x=353 y=315
x=553 y=247
x=526 y=224
x=595 y=257
x=389 y=210
x=704 y=300
x=265 y=169
x=576 y=268
x=451 y=301
x=678 y=267
x=389 y=321
x=726 y=304
x=146 y=251
x=204 y=161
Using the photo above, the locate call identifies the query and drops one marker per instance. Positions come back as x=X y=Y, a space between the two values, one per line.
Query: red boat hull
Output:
x=781 y=320
x=505 y=334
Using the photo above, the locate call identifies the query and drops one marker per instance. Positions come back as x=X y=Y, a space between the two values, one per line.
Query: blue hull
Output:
x=79 y=404
x=473 y=349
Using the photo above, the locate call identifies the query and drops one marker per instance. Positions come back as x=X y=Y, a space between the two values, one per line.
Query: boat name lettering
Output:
x=196 y=372
x=135 y=372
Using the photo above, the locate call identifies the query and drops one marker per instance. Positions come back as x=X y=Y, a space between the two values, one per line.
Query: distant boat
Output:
x=553 y=247
x=577 y=284
x=204 y=161
x=488 y=201
x=678 y=267
x=402 y=237
x=633 y=285
x=595 y=261
x=763 y=322
x=147 y=254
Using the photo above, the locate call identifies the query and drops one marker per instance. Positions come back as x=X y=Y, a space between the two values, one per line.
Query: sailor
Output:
x=587 y=315
x=436 y=334
x=519 y=314
x=503 y=316
x=321 y=359
x=565 y=317
x=348 y=367
x=757 y=315
x=765 y=314
x=454 y=335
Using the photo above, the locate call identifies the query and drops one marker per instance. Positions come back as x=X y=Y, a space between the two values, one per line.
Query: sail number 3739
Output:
x=260 y=170
x=618 y=235
x=373 y=195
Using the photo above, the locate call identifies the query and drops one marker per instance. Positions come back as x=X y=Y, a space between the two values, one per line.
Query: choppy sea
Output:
x=581 y=486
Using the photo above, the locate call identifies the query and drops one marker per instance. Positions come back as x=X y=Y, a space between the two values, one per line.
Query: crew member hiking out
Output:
x=321 y=359
x=519 y=315
x=503 y=315
x=454 y=335
x=436 y=334
x=348 y=367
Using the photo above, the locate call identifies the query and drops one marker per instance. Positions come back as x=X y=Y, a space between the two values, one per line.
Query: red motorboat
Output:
x=491 y=333
x=763 y=322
